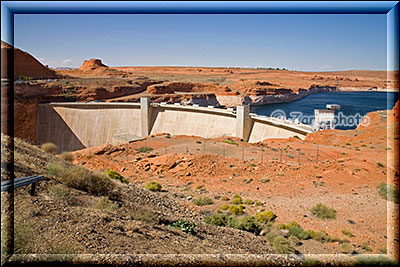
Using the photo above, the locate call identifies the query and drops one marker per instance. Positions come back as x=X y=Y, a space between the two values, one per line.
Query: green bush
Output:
x=246 y=223
x=115 y=175
x=320 y=236
x=266 y=216
x=323 y=212
x=248 y=202
x=380 y=164
x=258 y=203
x=224 y=207
x=346 y=248
x=184 y=226
x=217 y=219
x=203 y=201
x=282 y=245
x=144 y=149
x=49 y=148
x=230 y=141
x=68 y=156
x=347 y=232
x=236 y=199
x=249 y=224
x=366 y=247
x=388 y=192
x=105 y=204
x=236 y=210
x=154 y=186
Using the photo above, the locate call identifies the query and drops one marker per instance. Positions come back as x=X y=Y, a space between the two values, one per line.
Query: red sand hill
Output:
x=24 y=64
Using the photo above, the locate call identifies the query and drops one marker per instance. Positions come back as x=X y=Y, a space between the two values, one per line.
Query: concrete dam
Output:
x=73 y=126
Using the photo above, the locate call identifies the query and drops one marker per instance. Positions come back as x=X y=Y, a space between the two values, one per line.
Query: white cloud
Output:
x=325 y=67
x=66 y=61
x=43 y=60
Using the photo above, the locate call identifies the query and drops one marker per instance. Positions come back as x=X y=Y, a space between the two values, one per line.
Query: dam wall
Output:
x=73 y=126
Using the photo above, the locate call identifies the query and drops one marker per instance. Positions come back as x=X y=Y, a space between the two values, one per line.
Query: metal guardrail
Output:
x=22 y=181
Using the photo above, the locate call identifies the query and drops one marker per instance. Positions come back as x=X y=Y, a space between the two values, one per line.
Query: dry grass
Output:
x=49 y=148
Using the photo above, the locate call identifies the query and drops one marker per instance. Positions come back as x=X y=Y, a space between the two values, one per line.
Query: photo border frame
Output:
x=11 y=8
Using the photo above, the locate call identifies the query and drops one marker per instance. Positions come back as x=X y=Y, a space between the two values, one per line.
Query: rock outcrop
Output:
x=24 y=64
x=92 y=64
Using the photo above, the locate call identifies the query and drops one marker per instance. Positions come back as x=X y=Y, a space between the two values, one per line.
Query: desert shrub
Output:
x=23 y=232
x=312 y=262
x=282 y=245
x=320 y=236
x=236 y=199
x=67 y=156
x=199 y=187
x=246 y=223
x=323 y=212
x=374 y=261
x=266 y=216
x=224 y=207
x=203 y=201
x=366 y=247
x=105 y=204
x=82 y=179
x=298 y=232
x=264 y=180
x=247 y=181
x=236 y=210
x=49 y=148
x=154 y=186
x=225 y=198
x=198 y=142
x=144 y=149
x=143 y=215
x=248 y=202
x=294 y=240
x=336 y=239
x=388 y=192
x=258 y=203
x=184 y=226
x=55 y=169
x=217 y=219
x=230 y=141
x=347 y=232
x=380 y=164
x=115 y=175
x=60 y=193
x=346 y=248
x=249 y=224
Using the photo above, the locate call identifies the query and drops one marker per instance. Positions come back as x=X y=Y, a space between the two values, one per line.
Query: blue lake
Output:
x=350 y=103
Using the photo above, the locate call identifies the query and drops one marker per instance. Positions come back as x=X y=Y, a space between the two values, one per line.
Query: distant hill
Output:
x=62 y=68
x=25 y=64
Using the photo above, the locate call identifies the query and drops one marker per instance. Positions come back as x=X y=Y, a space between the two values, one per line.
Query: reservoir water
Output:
x=351 y=104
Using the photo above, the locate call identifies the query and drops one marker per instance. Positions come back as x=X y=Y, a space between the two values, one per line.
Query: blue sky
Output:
x=296 y=42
